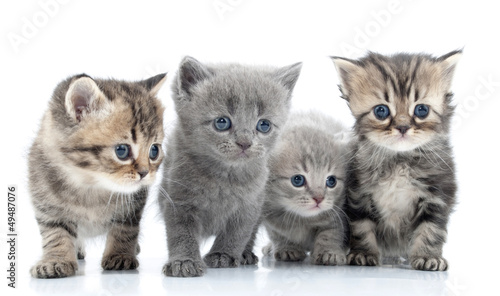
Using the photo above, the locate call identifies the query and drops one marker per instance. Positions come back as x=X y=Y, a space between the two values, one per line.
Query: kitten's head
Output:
x=400 y=102
x=109 y=132
x=232 y=112
x=307 y=169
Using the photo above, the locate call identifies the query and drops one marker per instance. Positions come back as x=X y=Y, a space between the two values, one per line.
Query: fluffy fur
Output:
x=79 y=187
x=308 y=218
x=401 y=179
x=215 y=178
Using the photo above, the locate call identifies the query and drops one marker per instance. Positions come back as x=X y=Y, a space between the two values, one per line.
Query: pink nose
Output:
x=318 y=199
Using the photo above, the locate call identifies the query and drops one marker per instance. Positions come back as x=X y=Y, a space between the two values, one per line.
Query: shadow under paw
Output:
x=119 y=262
x=220 y=260
x=363 y=259
x=429 y=263
x=184 y=268
x=290 y=255
x=249 y=258
x=46 y=269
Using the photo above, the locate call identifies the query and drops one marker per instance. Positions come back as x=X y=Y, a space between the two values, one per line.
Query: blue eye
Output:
x=298 y=180
x=222 y=123
x=421 y=111
x=264 y=126
x=331 y=181
x=154 y=151
x=381 y=112
x=122 y=151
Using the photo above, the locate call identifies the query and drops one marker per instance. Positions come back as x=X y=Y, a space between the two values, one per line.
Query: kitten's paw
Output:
x=362 y=259
x=220 y=260
x=290 y=255
x=47 y=269
x=329 y=257
x=119 y=262
x=80 y=255
x=186 y=268
x=429 y=263
x=249 y=258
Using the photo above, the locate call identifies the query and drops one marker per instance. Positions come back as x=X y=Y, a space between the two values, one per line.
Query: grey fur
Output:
x=401 y=185
x=315 y=146
x=78 y=187
x=212 y=188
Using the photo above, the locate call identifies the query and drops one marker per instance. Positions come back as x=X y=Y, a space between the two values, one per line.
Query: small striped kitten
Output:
x=97 y=151
x=401 y=179
x=305 y=196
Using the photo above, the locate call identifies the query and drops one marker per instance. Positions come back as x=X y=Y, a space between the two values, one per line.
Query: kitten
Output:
x=229 y=118
x=401 y=181
x=304 y=196
x=97 y=151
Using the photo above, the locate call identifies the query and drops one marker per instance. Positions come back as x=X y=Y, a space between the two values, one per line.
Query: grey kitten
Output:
x=229 y=118
x=304 y=196
x=90 y=166
x=401 y=181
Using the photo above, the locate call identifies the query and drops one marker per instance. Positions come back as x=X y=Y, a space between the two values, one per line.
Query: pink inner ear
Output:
x=80 y=104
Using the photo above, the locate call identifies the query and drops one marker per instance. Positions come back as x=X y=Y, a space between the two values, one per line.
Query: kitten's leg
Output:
x=183 y=246
x=364 y=248
x=283 y=249
x=426 y=245
x=121 y=246
x=328 y=248
x=230 y=243
x=59 y=252
x=248 y=257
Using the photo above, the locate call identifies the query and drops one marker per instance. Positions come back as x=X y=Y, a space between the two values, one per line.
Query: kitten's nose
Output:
x=403 y=128
x=142 y=173
x=244 y=145
x=318 y=199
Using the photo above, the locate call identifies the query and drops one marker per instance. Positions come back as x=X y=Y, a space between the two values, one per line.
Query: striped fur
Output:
x=401 y=178
x=79 y=187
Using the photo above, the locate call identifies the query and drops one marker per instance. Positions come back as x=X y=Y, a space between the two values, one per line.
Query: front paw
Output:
x=328 y=257
x=429 y=263
x=46 y=269
x=249 y=258
x=220 y=260
x=119 y=262
x=184 y=268
x=289 y=255
x=363 y=259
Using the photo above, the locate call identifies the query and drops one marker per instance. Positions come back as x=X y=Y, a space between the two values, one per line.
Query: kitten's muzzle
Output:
x=403 y=128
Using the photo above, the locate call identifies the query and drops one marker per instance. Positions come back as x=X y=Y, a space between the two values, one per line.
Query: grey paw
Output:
x=249 y=258
x=429 y=263
x=363 y=259
x=329 y=257
x=289 y=255
x=46 y=269
x=220 y=260
x=119 y=262
x=186 y=268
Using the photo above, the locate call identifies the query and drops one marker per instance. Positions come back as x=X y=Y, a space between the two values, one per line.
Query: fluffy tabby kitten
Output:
x=401 y=181
x=97 y=151
x=304 y=196
x=229 y=117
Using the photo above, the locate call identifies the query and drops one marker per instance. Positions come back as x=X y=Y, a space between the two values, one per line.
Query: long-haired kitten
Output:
x=401 y=180
x=97 y=151
x=229 y=118
x=304 y=196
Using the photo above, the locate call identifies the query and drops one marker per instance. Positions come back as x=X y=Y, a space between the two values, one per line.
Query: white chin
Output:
x=120 y=188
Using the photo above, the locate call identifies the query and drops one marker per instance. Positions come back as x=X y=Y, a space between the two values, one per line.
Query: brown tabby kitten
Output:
x=97 y=151
x=401 y=179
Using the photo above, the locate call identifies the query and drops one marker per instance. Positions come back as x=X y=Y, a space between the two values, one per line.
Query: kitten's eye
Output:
x=421 y=111
x=298 y=180
x=222 y=123
x=381 y=112
x=331 y=181
x=154 y=151
x=122 y=151
x=264 y=126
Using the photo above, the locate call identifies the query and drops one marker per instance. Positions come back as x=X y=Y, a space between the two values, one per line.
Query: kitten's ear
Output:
x=289 y=75
x=191 y=71
x=153 y=84
x=449 y=62
x=84 y=98
x=345 y=69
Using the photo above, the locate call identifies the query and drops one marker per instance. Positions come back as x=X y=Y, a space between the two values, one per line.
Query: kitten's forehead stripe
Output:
x=134 y=136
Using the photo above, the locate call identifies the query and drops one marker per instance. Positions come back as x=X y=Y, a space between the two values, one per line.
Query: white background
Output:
x=41 y=44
